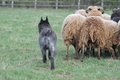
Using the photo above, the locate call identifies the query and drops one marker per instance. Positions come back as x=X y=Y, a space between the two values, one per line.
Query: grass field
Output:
x=21 y=59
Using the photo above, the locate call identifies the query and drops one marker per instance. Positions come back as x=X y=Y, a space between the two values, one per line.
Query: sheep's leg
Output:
x=76 y=51
x=118 y=52
x=93 y=51
x=114 y=48
x=98 y=53
x=79 y=50
x=67 y=52
x=107 y=52
x=83 y=46
x=113 y=53
x=87 y=52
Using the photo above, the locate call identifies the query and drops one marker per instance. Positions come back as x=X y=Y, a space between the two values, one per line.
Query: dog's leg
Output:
x=53 y=52
x=49 y=54
x=44 y=56
x=52 y=63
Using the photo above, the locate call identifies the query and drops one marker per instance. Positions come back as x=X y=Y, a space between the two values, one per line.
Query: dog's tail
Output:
x=46 y=32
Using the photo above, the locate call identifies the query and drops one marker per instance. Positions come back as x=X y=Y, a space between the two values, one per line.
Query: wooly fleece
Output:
x=81 y=11
x=70 y=29
x=92 y=30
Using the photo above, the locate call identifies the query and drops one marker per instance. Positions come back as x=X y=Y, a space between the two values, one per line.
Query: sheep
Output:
x=92 y=32
x=116 y=19
x=116 y=13
x=112 y=39
x=115 y=16
x=70 y=31
x=114 y=9
x=106 y=16
x=81 y=11
x=94 y=11
x=117 y=36
x=97 y=32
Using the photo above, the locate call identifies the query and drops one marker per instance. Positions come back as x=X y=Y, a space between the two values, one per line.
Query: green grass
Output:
x=21 y=59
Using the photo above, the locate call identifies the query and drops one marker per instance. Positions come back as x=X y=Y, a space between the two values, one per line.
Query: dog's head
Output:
x=43 y=24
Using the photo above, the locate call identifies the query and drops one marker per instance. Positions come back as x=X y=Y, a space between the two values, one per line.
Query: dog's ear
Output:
x=46 y=18
x=41 y=20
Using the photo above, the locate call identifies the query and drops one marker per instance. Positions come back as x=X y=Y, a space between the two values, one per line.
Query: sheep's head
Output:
x=94 y=11
x=115 y=9
x=82 y=12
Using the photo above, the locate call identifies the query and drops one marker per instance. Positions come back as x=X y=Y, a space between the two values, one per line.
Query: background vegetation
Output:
x=21 y=59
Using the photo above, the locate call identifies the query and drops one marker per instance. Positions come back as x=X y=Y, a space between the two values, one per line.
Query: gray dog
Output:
x=47 y=41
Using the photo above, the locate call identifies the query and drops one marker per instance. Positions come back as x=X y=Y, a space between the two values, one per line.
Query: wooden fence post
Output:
x=102 y=3
x=35 y=4
x=78 y=4
x=12 y=3
x=56 y=4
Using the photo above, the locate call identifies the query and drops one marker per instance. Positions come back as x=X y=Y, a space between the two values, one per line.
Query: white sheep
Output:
x=70 y=31
x=82 y=12
x=98 y=32
x=106 y=16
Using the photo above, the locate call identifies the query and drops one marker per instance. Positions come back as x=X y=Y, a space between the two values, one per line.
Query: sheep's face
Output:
x=94 y=11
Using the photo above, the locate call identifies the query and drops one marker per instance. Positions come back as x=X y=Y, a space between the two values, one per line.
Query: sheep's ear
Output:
x=90 y=8
x=87 y=10
x=114 y=10
x=41 y=20
x=100 y=8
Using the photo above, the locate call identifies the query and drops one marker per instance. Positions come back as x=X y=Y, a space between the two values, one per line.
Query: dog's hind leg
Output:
x=44 y=56
x=49 y=54
x=53 y=52
x=52 y=63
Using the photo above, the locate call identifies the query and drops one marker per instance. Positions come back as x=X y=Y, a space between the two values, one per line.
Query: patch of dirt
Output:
x=74 y=60
x=6 y=53
x=62 y=75
x=26 y=50
x=45 y=68
x=112 y=78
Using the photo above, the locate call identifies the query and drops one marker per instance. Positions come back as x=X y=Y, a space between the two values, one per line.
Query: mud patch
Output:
x=112 y=78
x=62 y=75
x=74 y=60
x=26 y=50
x=45 y=68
